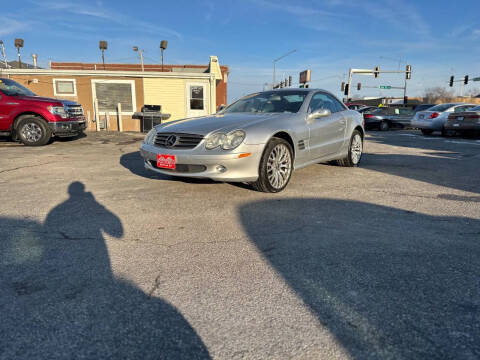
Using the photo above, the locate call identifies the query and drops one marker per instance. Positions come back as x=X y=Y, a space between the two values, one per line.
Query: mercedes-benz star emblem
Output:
x=171 y=141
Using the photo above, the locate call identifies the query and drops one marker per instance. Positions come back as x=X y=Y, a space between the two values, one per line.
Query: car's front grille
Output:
x=177 y=141
x=181 y=168
x=74 y=110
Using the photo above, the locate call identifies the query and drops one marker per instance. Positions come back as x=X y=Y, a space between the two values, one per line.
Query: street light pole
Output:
x=275 y=63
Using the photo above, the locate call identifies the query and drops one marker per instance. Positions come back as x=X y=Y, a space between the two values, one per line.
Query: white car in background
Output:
x=434 y=118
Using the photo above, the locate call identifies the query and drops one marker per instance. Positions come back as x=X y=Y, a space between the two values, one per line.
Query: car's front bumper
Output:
x=201 y=163
x=67 y=128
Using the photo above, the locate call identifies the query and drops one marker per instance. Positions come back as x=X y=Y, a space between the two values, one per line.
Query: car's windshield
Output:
x=12 y=88
x=269 y=102
x=441 y=107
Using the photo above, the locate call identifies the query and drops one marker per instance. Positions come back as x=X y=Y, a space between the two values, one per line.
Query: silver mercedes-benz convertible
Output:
x=259 y=139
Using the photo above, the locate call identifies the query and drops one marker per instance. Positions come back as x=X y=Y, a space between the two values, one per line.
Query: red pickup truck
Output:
x=33 y=119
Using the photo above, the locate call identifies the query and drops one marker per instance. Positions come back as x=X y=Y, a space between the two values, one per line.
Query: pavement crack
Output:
x=25 y=167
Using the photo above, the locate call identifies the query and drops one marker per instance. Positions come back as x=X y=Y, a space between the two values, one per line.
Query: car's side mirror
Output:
x=220 y=108
x=319 y=114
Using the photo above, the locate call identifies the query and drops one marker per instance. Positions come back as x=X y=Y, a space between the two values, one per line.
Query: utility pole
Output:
x=2 y=49
x=275 y=63
x=140 y=52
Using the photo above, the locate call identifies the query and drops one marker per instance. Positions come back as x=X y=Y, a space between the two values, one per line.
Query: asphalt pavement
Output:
x=100 y=259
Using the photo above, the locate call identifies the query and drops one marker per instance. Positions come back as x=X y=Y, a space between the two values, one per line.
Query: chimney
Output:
x=34 y=57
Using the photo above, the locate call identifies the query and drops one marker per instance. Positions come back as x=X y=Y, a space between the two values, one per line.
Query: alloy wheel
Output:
x=31 y=132
x=356 y=149
x=279 y=166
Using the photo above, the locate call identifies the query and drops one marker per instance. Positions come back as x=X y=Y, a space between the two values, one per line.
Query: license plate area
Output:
x=166 y=161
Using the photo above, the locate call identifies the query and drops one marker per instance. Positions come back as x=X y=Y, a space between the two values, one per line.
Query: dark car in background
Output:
x=384 y=118
x=464 y=123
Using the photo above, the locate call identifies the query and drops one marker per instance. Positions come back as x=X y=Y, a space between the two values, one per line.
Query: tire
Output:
x=426 y=131
x=384 y=126
x=33 y=131
x=445 y=132
x=276 y=166
x=355 y=151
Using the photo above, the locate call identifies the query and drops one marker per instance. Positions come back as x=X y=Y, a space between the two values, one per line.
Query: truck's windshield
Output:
x=12 y=88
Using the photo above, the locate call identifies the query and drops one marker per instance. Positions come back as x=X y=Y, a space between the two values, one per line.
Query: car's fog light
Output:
x=221 y=168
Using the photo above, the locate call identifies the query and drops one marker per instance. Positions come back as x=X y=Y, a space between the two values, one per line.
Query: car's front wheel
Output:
x=33 y=131
x=384 y=125
x=276 y=167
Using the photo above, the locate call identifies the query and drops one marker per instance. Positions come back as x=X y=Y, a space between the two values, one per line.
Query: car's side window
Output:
x=324 y=101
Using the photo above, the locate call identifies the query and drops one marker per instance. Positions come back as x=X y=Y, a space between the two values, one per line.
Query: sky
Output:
x=437 y=38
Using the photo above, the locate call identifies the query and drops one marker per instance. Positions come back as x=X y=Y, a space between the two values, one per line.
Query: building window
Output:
x=64 y=87
x=196 y=98
x=110 y=93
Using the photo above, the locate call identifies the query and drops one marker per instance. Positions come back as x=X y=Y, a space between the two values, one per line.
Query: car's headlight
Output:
x=225 y=141
x=58 y=110
x=233 y=139
x=150 y=137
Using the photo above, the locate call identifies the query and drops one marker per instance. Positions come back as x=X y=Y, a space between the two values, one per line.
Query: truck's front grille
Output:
x=74 y=110
x=177 y=141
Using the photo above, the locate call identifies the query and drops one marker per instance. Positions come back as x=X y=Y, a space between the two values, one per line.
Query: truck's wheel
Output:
x=275 y=168
x=355 y=151
x=33 y=131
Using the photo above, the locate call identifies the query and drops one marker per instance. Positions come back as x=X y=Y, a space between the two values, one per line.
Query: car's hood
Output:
x=219 y=122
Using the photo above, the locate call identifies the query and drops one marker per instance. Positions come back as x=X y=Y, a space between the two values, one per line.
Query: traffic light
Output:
x=465 y=81
x=359 y=86
x=342 y=88
x=405 y=100
x=408 y=72
x=376 y=72
x=290 y=81
x=346 y=89
x=451 y=80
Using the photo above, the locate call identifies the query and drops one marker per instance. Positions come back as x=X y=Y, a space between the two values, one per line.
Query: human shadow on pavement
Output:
x=60 y=300
x=387 y=283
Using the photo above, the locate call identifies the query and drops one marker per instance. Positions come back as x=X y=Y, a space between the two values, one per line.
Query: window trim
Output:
x=133 y=93
x=55 y=93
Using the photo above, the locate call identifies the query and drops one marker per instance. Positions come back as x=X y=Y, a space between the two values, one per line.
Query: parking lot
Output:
x=102 y=259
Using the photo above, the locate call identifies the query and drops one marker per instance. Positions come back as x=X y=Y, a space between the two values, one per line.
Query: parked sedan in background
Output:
x=259 y=139
x=434 y=118
x=465 y=123
x=385 y=118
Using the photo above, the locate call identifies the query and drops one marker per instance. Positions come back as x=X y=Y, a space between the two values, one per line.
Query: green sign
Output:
x=476 y=79
x=385 y=87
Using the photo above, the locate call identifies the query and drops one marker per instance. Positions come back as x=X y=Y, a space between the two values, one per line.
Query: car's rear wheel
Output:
x=33 y=131
x=275 y=168
x=384 y=126
x=355 y=151
x=427 y=131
